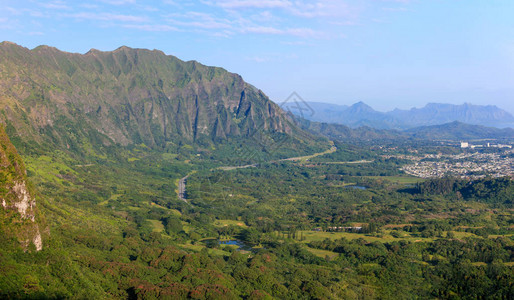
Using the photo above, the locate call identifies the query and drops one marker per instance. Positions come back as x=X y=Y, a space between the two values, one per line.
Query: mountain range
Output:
x=361 y=114
x=106 y=142
x=453 y=131
x=129 y=97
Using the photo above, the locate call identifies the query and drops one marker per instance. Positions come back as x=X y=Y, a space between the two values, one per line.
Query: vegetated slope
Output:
x=460 y=131
x=342 y=132
x=361 y=114
x=19 y=216
x=455 y=131
x=126 y=97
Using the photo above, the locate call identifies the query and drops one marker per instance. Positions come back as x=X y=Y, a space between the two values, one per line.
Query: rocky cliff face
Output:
x=127 y=96
x=18 y=213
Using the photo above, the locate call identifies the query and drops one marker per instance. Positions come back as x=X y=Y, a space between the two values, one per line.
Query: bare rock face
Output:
x=18 y=215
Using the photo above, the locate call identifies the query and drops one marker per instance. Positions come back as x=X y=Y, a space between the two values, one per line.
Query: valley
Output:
x=189 y=183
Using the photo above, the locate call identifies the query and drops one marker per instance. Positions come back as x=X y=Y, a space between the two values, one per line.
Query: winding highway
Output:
x=181 y=192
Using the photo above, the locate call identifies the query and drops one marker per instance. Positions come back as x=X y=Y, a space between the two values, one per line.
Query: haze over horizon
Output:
x=387 y=53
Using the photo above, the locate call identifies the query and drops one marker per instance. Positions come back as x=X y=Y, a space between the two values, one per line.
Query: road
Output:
x=307 y=157
x=298 y=158
x=182 y=188
x=182 y=182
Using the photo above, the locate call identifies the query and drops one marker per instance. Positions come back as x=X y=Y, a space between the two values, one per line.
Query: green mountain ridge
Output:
x=128 y=97
x=460 y=131
x=107 y=138
x=455 y=131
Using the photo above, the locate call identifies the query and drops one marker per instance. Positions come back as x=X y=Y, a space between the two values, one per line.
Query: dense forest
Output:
x=311 y=229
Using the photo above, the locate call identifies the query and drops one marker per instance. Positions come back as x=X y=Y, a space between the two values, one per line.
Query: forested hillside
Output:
x=140 y=176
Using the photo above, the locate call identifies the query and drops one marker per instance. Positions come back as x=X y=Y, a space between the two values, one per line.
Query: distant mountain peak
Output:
x=360 y=114
x=361 y=106
x=361 y=103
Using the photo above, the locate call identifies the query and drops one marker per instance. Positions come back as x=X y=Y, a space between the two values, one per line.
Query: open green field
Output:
x=322 y=253
x=399 y=179
x=222 y=223
x=157 y=225
x=461 y=234
x=385 y=238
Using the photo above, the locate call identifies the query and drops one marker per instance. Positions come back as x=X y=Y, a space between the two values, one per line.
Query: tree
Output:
x=172 y=225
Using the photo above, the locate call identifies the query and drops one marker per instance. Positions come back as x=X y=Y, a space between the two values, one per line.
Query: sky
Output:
x=386 y=53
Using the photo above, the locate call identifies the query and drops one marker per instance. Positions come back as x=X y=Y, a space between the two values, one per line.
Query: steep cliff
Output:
x=125 y=97
x=18 y=213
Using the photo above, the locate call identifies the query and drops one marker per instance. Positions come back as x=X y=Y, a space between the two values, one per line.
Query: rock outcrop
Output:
x=18 y=214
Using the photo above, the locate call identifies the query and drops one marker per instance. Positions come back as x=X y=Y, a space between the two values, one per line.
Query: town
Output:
x=465 y=165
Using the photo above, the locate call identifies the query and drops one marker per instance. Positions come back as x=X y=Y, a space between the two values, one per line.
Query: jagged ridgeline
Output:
x=126 y=97
x=19 y=217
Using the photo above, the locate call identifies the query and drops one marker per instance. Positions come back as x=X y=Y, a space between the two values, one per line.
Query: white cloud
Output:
x=199 y=20
x=149 y=27
x=298 y=32
x=13 y=11
x=119 y=2
x=395 y=9
x=55 y=5
x=344 y=23
x=222 y=34
x=325 y=8
x=233 y=4
x=107 y=17
x=263 y=29
x=89 y=5
x=299 y=18
x=299 y=8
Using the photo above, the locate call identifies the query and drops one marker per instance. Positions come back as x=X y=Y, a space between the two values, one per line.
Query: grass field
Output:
x=157 y=225
x=461 y=234
x=322 y=253
x=320 y=236
x=173 y=211
x=222 y=223
x=398 y=179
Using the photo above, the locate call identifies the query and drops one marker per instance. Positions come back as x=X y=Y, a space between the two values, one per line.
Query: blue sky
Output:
x=387 y=53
